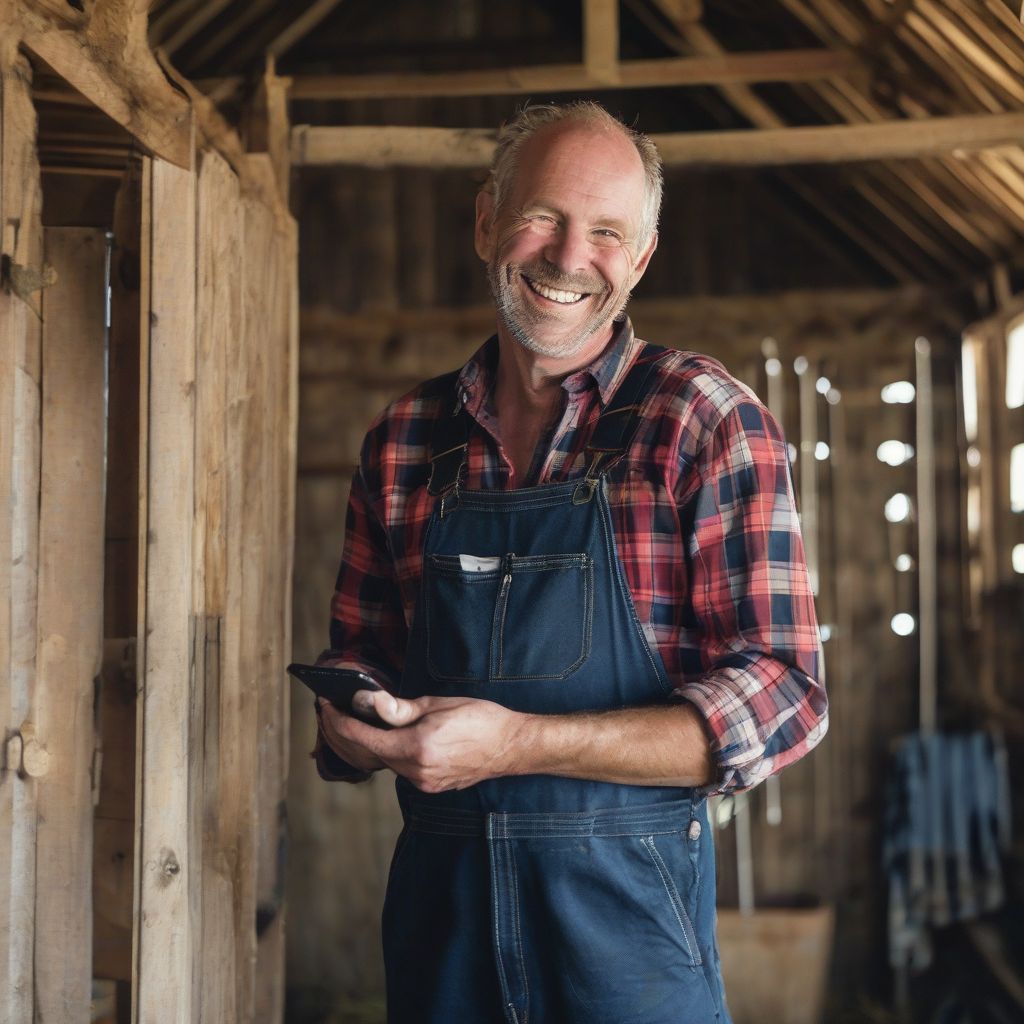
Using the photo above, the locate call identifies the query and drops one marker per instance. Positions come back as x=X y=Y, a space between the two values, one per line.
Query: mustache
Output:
x=543 y=272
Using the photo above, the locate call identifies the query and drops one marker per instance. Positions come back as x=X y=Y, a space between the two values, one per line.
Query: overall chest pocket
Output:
x=529 y=618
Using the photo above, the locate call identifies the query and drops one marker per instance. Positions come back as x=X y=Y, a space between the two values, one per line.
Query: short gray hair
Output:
x=531 y=117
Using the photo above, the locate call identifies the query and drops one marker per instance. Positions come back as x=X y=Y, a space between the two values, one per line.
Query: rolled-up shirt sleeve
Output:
x=368 y=628
x=761 y=692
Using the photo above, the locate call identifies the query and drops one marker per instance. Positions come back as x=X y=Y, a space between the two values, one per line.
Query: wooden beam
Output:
x=681 y=12
x=767 y=66
x=825 y=144
x=191 y=26
x=300 y=27
x=110 y=63
x=392 y=147
x=601 y=40
x=831 y=144
x=782 y=314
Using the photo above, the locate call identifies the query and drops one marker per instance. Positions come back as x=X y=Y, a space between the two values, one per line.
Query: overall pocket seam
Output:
x=586 y=567
x=685 y=924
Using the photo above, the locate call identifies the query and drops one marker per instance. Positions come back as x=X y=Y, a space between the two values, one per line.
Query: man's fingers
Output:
x=393 y=710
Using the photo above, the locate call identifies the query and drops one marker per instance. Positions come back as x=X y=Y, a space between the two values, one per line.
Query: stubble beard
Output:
x=523 y=321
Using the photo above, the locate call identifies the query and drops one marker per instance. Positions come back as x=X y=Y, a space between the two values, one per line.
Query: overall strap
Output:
x=449 y=442
x=619 y=422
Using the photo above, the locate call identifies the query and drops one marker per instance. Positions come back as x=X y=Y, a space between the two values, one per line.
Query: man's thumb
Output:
x=392 y=710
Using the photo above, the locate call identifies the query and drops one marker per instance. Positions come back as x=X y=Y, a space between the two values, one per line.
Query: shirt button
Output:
x=694 y=830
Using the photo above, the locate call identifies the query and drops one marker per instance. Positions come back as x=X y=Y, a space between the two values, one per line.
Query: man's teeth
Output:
x=554 y=294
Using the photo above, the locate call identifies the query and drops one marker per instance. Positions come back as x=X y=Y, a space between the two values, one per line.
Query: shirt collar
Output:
x=477 y=377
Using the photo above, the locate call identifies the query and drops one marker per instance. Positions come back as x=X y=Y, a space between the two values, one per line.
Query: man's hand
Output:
x=438 y=743
x=356 y=755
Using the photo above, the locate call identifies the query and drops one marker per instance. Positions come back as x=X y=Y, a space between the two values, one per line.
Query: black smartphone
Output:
x=339 y=685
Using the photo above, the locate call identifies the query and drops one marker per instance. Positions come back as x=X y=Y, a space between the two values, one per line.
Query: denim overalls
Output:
x=536 y=899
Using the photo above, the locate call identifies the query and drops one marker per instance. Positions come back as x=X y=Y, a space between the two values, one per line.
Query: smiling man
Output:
x=575 y=567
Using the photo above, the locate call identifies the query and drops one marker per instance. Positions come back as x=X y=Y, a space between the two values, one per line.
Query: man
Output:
x=575 y=565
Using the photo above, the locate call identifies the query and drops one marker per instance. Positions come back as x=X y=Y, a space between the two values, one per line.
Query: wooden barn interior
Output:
x=233 y=230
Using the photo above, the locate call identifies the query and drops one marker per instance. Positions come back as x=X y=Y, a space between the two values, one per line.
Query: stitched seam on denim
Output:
x=671 y=819
x=616 y=565
x=685 y=925
x=507 y=506
x=519 y=936
x=467 y=577
x=495 y=895
x=498 y=623
x=695 y=856
x=538 y=563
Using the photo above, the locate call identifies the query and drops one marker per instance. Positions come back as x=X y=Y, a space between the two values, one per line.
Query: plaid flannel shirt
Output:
x=706 y=528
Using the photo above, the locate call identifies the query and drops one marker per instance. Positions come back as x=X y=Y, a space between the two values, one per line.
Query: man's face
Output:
x=563 y=251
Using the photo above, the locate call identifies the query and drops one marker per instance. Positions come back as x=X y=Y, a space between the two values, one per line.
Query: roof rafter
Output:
x=301 y=26
x=766 y=66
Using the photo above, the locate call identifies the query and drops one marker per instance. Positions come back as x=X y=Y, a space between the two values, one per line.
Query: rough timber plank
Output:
x=769 y=147
x=218 y=304
x=70 y=622
x=278 y=458
x=169 y=863
x=769 y=66
x=259 y=579
x=21 y=238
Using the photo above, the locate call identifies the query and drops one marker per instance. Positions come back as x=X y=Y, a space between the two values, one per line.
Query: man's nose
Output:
x=568 y=249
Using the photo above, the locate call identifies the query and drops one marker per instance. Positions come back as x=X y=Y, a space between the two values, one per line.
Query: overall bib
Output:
x=536 y=899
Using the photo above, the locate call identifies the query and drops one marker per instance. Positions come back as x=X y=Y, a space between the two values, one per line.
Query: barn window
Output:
x=1015 y=366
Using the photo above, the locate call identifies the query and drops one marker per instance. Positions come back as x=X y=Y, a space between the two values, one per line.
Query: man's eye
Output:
x=606 y=236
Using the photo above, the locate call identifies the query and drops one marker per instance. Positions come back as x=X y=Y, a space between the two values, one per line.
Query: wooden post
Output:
x=21 y=756
x=278 y=453
x=70 y=625
x=168 y=855
x=218 y=311
x=601 y=39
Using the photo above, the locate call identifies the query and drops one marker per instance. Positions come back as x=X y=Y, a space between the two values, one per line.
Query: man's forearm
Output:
x=443 y=743
x=652 y=746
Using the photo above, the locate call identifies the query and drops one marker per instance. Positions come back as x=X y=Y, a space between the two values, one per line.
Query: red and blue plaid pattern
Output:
x=705 y=524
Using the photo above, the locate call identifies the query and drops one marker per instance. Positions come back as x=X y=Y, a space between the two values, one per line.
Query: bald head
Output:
x=533 y=120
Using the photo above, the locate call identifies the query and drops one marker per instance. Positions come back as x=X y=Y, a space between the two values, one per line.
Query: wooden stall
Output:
x=148 y=324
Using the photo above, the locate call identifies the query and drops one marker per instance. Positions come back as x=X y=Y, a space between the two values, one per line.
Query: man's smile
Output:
x=565 y=298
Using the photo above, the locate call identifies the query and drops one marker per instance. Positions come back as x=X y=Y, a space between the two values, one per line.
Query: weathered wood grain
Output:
x=70 y=624
x=169 y=861
x=21 y=237
x=218 y=316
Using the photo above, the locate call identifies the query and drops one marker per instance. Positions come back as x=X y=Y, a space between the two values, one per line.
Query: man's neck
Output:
x=531 y=383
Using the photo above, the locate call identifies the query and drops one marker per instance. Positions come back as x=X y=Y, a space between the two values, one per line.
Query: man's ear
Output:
x=645 y=258
x=482 y=230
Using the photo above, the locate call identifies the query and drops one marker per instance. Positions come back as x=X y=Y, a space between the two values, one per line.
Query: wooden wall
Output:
x=390 y=297
x=146 y=579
